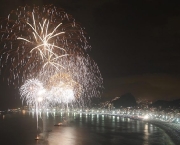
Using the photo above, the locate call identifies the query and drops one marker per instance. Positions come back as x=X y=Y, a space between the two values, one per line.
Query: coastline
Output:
x=172 y=129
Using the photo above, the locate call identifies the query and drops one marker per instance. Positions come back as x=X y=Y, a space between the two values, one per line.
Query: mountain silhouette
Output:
x=126 y=100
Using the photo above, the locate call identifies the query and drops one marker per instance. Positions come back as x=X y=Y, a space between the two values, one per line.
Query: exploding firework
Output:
x=37 y=38
x=47 y=44
x=32 y=92
x=63 y=89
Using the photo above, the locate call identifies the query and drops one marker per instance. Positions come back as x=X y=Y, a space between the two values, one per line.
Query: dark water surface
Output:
x=78 y=129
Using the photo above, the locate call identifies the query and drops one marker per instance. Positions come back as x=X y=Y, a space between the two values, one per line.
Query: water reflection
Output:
x=146 y=133
x=47 y=114
x=81 y=129
x=63 y=136
x=23 y=112
x=33 y=114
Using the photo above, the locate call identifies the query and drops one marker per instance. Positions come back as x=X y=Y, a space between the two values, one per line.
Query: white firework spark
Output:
x=45 y=44
x=42 y=36
x=32 y=92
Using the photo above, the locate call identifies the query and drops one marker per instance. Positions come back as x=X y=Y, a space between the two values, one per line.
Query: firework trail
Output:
x=32 y=92
x=46 y=46
x=34 y=38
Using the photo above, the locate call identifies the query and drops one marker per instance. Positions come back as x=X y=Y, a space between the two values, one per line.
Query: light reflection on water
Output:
x=79 y=129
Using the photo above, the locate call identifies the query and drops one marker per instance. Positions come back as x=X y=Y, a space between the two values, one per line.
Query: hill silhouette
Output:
x=166 y=104
x=126 y=100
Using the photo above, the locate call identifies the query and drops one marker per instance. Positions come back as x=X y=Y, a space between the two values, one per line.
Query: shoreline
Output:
x=172 y=129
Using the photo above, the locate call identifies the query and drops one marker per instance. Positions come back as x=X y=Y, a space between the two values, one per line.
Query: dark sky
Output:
x=136 y=44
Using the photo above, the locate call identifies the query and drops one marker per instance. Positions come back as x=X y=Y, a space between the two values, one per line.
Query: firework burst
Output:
x=32 y=92
x=45 y=49
x=35 y=37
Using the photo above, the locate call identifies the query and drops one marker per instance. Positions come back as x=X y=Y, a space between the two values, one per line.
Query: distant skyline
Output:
x=145 y=87
x=136 y=44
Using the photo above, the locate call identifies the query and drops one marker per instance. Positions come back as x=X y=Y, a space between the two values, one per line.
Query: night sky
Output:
x=136 y=45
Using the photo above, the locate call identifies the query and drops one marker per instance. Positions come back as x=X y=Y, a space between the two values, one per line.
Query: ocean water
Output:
x=78 y=129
